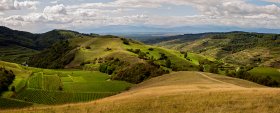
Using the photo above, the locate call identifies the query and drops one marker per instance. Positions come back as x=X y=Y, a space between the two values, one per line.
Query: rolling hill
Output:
x=181 y=92
x=69 y=67
x=123 y=75
x=18 y=46
x=124 y=59
x=239 y=48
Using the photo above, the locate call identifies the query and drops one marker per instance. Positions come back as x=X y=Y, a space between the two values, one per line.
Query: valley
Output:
x=180 y=92
x=67 y=71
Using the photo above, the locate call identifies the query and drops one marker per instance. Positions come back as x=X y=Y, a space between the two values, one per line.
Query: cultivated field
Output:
x=45 y=86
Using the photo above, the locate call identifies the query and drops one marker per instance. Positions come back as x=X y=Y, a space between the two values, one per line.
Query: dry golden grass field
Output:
x=180 y=92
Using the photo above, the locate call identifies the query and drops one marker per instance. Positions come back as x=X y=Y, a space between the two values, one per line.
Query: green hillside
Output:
x=19 y=46
x=124 y=59
x=61 y=67
x=239 y=48
x=45 y=86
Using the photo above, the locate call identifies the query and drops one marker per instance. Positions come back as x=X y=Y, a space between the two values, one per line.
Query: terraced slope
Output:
x=182 y=92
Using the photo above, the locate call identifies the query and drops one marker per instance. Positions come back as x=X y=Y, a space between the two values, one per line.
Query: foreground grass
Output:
x=181 y=92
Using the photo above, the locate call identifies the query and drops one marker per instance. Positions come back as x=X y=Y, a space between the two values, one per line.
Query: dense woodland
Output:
x=55 y=57
x=133 y=73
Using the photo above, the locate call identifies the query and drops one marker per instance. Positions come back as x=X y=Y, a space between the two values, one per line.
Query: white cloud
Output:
x=56 y=9
x=273 y=1
x=54 y=2
x=129 y=12
x=16 y=5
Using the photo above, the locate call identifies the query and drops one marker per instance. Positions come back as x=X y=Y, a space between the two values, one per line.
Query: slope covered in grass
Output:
x=266 y=71
x=18 y=46
x=182 y=92
x=240 y=48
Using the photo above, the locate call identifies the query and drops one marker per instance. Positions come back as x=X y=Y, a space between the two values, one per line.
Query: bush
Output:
x=201 y=68
x=125 y=41
x=185 y=54
x=108 y=49
x=168 y=63
x=162 y=56
x=13 y=89
x=133 y=73
x=6 y=79
x=243 y=74
x=214 y=69
x=88 y=47
x=151 y=49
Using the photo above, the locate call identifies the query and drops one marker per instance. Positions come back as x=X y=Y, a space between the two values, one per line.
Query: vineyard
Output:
x=9 y=103
x=55 y=83
x=35 y=81
x=47 y=86
x=66 y=86
x=57 y=97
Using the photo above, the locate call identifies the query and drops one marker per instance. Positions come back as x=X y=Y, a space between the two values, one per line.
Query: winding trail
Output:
x=206 y=76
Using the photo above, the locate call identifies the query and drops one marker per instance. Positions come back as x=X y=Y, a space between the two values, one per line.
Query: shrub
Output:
x=108 y=49
x=6 y=79
x=151 y=49
x=88 y=47
x=168 y=63
x=133 y=73
x=162 y=56
x=185 y=54
x=125 y=41
x=214 y=69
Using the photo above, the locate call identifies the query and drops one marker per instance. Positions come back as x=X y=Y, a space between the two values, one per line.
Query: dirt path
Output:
x=206 y=76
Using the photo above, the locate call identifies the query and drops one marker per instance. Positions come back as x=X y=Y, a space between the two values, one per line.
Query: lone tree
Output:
x=214 y=69
x=168 y=63
x=6 y=79
x=185 y=54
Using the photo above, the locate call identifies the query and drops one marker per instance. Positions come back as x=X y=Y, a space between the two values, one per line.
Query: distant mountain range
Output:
x=125 y=29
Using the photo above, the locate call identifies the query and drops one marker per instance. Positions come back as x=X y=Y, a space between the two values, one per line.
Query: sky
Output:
x=44 y=15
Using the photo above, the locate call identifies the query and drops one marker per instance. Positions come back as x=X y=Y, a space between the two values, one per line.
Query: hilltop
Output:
x=18 y=46
x=181 y=92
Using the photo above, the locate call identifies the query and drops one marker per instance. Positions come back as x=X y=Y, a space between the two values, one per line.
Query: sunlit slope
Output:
x=240 y=48
x=182 y=92
x=90 y=49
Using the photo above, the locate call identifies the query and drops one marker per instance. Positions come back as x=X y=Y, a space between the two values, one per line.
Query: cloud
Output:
x=272 y=1
x=132 y=12
x=54 y=2
x=16 y=5
x=56 y=9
